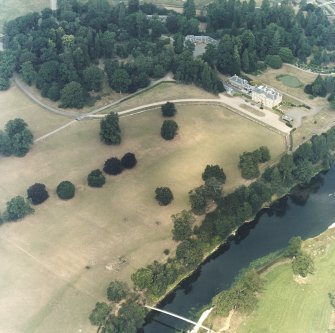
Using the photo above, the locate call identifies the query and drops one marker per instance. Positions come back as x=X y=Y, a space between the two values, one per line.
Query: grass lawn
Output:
x=14 y=8
x=161 y=92
x=290 y=81
x=54 y=262
x=289 y=306
x=270 y=77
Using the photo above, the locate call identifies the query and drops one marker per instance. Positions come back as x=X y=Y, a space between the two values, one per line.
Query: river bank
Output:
x=235 y=254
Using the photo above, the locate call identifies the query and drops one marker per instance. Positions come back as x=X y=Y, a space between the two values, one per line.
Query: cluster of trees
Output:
x=130 y=315
x=249 y=162
x=248 y=34
x=16 y=139
x=156 y=278
x=302 y=263
x=214 y=178
x=114 y=166
x=322 y=87
x=60 y=51
x=300 y=166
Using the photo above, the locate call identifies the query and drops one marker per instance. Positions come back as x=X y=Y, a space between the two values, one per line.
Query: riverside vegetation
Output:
x=195 y=242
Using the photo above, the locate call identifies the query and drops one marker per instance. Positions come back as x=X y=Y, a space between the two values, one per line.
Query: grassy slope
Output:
x=43 y=276
x=287 y=306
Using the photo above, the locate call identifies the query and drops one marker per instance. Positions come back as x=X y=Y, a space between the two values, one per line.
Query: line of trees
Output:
x=230 y=213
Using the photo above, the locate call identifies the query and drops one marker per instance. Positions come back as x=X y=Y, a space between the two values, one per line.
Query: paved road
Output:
x=269 y=120
x=78 y=115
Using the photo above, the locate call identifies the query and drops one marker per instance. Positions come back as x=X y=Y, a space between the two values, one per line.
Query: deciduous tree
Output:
x=37 y=193
x=163 y=195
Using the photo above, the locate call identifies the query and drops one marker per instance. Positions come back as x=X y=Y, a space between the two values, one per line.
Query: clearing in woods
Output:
x=54 y=262
x=289 y=306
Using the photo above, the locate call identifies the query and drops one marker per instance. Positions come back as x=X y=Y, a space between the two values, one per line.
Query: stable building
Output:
x=241 y=84
x=267 y=96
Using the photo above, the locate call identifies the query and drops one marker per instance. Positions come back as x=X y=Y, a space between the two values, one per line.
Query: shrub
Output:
x=37 y=193
x=96 y=178
x=117 y=291
x=168 y=109
x=113 y=166
x=128 y=160
x=303 y=265
x=169 y=129
x=65 y=190
x=163 y=195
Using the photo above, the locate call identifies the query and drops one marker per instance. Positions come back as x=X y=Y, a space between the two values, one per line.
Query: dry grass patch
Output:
x=55 y=260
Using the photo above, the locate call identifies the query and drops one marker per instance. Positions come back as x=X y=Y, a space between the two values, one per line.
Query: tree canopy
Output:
x=169 y=129
x=128 y=160
x=37 y=193
x=65 y=190
x=16 y=139
x=110 y=132
x=113 y=166
x=16 y=209
x=96 y=178
x=163 y=195
x=168 y=109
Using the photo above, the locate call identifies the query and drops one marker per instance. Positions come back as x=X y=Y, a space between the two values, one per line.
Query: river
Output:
x=270 y=231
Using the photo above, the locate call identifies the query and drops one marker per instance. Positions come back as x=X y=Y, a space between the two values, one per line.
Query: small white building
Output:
x=201 y=40
x=267 y=96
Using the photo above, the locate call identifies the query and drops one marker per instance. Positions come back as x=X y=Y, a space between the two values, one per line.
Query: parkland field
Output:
x=298 y=306
x=58 y=262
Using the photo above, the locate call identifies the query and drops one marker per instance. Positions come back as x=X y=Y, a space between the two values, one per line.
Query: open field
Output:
x=54 y=261
x=13 y=8
x=290 y=306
